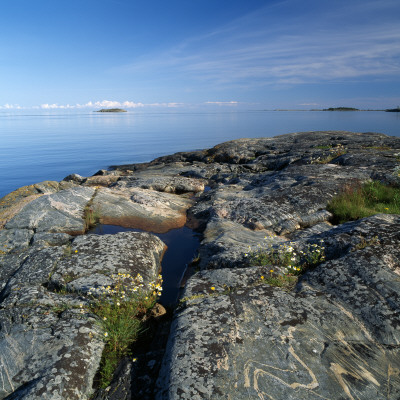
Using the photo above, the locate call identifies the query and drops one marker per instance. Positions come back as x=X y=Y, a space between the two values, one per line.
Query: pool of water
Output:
x=182 y=248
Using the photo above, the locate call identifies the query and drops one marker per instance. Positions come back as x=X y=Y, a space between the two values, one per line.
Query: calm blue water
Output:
x=50 y=146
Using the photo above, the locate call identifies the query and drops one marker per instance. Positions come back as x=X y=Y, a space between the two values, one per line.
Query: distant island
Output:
x=111 y=110
x=341 y=109
x=393 y=109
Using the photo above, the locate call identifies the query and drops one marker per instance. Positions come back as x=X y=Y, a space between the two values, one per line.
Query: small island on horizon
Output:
x=338 y=109
x=111 y=110
x=119 y=110
x=341 y=109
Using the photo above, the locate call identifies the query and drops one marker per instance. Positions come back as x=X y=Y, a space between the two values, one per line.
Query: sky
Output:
x=199 y=54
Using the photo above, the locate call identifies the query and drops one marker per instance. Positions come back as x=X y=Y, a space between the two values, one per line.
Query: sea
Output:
x=38 y=146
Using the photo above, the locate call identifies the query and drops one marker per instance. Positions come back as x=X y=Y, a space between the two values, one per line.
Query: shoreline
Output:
x=246 y=197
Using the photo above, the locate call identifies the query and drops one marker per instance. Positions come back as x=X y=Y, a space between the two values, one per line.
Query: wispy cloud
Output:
x=289 y=43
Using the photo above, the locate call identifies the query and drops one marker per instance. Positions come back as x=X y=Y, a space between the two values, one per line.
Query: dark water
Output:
x=52 y=145
x=182 y=246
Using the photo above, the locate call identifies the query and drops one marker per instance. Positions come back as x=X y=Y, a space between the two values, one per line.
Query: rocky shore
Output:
x=335 y=334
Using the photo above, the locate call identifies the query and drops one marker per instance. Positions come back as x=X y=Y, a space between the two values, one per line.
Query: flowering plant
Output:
x=121 y=308
x=284 y=262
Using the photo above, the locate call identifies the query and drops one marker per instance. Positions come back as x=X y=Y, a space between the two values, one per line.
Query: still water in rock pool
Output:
x=182 y=247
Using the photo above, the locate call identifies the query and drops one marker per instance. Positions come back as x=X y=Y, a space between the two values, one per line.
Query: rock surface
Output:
x=141 y=208
x=12 y=203
x=59 y=212
x=334 y=335
x=50 y=345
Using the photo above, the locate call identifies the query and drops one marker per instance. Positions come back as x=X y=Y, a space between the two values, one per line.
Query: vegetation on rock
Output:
x=284 y=263
x=91 y=215
x=334 y=152
x=358 y=201
x=122 y=309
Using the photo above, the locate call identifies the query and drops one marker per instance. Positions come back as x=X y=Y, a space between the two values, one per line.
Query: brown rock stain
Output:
x=146 y=224
x=14 y=208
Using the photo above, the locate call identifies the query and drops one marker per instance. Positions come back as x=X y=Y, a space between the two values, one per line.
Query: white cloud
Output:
x=47 y=106
x=10 y=107
x=131 y=104
x=174 y=105
x=223 y=103
x=106 y=104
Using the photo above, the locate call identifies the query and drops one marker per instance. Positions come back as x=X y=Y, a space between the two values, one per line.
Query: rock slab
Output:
x=335 y=336
x=50 y=344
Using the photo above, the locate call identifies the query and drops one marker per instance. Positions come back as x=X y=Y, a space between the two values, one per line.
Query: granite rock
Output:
x=93 y=259
x=50 y=343
x=167 y=184
x=13 y=202
x=335 y=336
x=141 y=208
x=59 y=212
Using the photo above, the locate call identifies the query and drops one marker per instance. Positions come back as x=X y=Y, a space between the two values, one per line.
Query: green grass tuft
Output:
x=121 y=310
x=358 y=201
x=282 y=281
x=91 y=217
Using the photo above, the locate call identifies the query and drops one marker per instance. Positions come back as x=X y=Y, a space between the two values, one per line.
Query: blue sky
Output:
x=199 y=54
